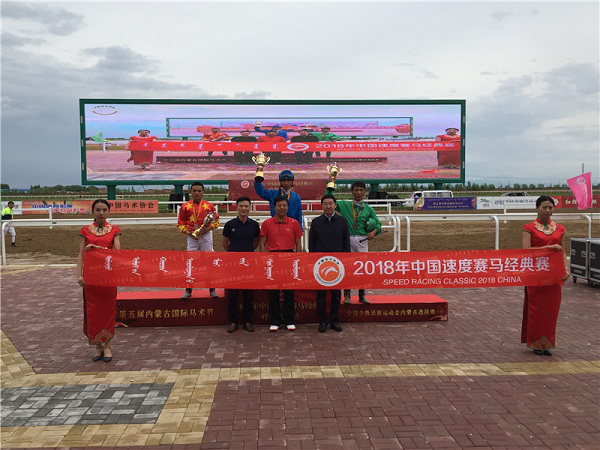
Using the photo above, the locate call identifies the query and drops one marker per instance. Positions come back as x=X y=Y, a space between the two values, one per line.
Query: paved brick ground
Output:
x=83 y=405
x=42 y=316
x=407 y=413
x=464 y=383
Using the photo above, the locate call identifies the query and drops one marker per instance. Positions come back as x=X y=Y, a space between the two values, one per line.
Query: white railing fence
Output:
x=389 y=222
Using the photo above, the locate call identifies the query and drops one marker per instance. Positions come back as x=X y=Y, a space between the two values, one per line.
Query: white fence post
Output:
x=4 y=224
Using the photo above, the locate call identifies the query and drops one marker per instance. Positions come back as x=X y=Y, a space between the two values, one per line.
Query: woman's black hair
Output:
x=100 y=200
x=542 y=199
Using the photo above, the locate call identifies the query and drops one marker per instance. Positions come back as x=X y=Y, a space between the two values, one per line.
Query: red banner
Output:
x=85 y=206
x=265 y=147
x=130 y=206
x=564 y=201
x=378 y=270
x=307 y=189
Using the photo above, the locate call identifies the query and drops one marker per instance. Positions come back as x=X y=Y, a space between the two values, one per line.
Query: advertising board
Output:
x=446 y=204
x=132 y=206
x=179 y=141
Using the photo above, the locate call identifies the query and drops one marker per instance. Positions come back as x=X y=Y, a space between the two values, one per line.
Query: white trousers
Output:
x=203 y=244
x=10 y=230
x=357 y=246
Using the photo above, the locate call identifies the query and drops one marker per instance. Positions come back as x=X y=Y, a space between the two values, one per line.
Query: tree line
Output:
x=390 y=187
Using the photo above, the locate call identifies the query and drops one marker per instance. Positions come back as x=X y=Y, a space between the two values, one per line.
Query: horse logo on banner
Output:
x=328 y=271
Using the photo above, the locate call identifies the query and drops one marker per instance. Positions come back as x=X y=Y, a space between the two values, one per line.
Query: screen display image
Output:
x=159 y=142
x=365 y=128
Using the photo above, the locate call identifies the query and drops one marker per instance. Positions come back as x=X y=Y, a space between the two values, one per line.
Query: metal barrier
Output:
x=410 y=219
x=394 y=222
x=45 y=210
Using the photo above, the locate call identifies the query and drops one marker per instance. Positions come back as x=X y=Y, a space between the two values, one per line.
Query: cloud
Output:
x=417 y=72
x=121 y=59
x=545 y=122
x=577 y=79
x=429 y=75
x=12 y=40
x=256 y=94
x=52 y=19
x=40 y=111
x=521 y=104
x=500 y=16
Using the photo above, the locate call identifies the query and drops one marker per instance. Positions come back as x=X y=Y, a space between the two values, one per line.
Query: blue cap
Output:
x=286 y=175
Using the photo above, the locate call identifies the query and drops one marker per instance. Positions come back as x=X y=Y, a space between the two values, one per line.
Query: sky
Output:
x=528 y=71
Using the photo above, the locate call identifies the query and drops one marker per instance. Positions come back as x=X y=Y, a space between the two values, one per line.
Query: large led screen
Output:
x=170 y=141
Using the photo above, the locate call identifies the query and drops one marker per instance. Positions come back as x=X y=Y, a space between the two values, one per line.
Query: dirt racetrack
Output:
x=60 y=245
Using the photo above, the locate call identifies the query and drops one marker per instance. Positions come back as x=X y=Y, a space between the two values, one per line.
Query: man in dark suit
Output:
x=245 y=156
x=329 y=233
x=304 y=136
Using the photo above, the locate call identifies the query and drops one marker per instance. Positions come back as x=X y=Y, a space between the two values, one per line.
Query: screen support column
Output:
x=111 y=192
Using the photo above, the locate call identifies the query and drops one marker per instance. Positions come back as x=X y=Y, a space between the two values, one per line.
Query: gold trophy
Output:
x=261 y=161
x=208 y=220
x=334 y=170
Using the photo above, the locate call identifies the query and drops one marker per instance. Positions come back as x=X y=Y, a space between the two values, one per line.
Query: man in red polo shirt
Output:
x=281 y=233
x=272 y=139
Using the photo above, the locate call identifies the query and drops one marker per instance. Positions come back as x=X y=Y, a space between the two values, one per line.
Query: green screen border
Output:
x=85 y=101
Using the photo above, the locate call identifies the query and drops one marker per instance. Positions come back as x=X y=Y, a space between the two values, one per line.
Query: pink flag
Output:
x=582 y=190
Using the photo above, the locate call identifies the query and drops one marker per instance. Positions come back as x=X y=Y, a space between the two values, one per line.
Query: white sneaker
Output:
x=291 y=327
x=273 y=328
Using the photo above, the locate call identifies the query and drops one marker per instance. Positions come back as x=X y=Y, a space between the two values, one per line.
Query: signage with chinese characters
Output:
x=165 y=308
x=85 y=206
x=377 y=270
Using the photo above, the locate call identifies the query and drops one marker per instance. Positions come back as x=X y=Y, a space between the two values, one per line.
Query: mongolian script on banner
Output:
x=381 y=270
x=360 y=146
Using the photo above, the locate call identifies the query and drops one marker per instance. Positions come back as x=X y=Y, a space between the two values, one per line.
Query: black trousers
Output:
x=275 y=156
x=275 y=309
x=334 y=307
x=232 y=297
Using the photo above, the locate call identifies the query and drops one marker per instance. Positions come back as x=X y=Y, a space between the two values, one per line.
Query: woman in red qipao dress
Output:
x=540 y=310
x=99 y=302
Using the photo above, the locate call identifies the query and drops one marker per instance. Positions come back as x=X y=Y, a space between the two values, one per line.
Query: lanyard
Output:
x=195 y=212
x=356 y=216
x=282 y=192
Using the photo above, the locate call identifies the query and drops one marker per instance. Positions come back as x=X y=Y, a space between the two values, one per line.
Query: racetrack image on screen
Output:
x=159 y=142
